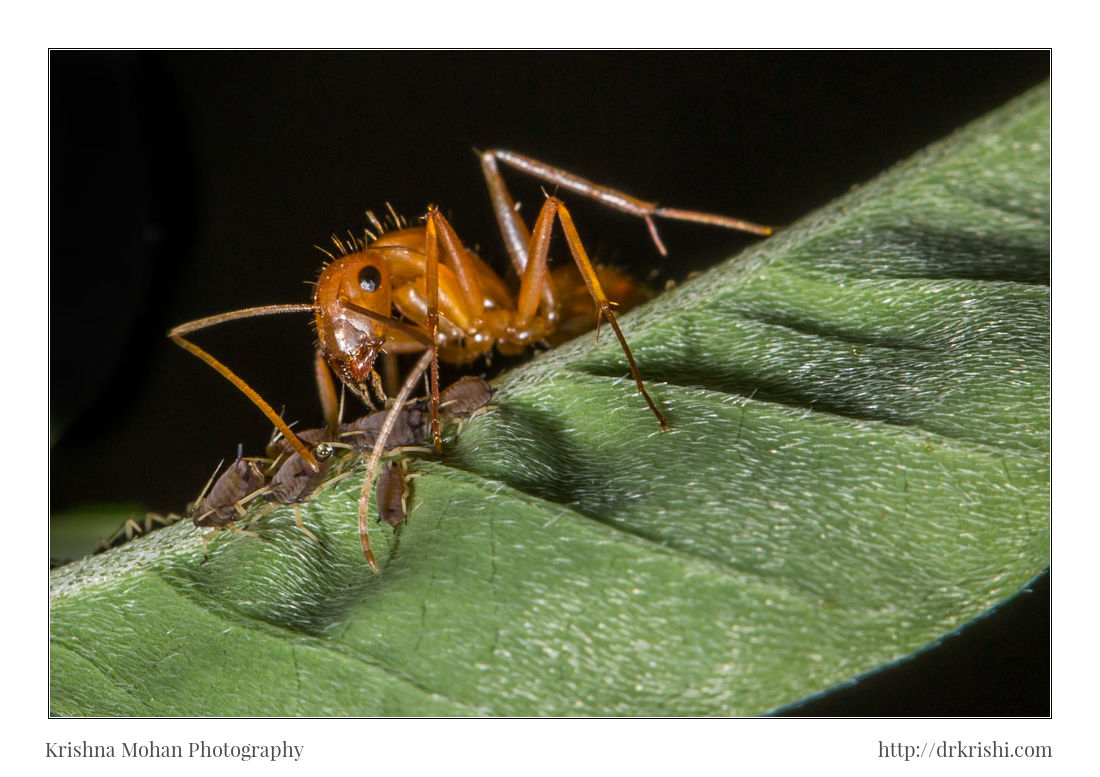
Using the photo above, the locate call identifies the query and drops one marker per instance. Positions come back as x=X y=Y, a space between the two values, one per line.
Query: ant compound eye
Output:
x=369 y=278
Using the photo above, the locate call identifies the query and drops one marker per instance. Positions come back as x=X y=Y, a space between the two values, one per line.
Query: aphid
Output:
x=410 y=428
x=459 y=400
x=280 y=446
x=296 y=480
x=418 y=289
x=465 y=397
x=392 y=494
x=223 y=503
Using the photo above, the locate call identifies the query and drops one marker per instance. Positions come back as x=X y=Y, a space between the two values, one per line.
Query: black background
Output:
x=185 y=184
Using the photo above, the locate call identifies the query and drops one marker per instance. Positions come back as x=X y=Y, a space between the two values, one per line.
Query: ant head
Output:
x=351 y=303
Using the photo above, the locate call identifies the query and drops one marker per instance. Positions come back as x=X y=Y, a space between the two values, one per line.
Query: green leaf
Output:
x=858 y=465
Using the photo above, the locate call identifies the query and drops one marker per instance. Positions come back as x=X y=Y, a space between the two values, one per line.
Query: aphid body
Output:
x=222 y=504
x=465 y=397
x=392 y=494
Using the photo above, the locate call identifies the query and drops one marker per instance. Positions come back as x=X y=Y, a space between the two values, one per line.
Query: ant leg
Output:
x=379 y=447
x=540 y=240
x=431 y=284
x=533 y=280
x=389 y=373
x=442 y=244
x=453 y=254
x=511 y=226
x=326 y=388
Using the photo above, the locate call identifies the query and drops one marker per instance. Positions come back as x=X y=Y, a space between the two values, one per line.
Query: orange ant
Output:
x=418 y=289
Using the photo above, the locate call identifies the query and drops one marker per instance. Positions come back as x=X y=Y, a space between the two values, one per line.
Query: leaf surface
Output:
x=858 y=465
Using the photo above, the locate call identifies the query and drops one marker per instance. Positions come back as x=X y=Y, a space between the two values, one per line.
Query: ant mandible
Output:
x=419 y=290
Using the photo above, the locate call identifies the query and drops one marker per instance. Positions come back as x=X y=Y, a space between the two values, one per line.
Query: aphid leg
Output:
x=242 y=511
x=299 y=523
x=379 y=447
x=338 y=478
x=132 y=529
x=194 y=507
x=123 y=534
x=261 y=513
x=208 y=537
x=151 y=519
x=540 y=241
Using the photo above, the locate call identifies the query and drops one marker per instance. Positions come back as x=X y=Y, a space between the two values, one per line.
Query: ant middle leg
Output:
x=380 y=446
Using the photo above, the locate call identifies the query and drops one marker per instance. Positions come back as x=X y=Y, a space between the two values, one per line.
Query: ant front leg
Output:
x=376 y=454
x=326 y=389
x=431 y=284
x=442 y=244
x=536 y=271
